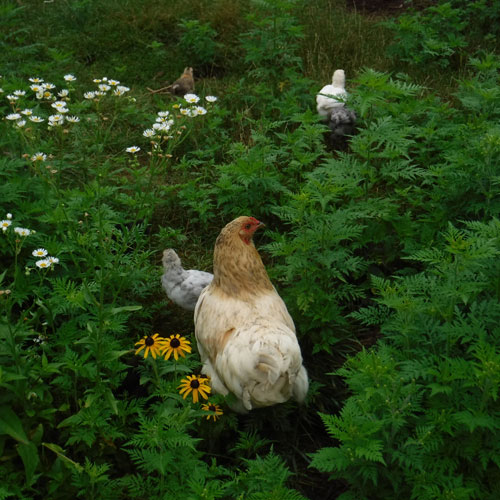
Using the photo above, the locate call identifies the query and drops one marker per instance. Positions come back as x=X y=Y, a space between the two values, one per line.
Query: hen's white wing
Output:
x=249 y=348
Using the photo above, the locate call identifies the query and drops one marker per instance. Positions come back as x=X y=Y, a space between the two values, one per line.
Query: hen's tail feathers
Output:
x=300 y=386
x=277 y=379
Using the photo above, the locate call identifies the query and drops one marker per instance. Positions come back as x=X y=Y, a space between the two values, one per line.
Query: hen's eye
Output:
x=248 y=226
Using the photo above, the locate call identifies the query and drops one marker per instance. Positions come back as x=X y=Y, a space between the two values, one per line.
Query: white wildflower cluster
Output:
x=106 y=86
x=45 y=92
x=194 y=109
x=7 y=223
x=165 y=122
x=44 y=260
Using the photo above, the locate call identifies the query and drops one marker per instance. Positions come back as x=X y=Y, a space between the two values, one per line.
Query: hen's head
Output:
x=244 y=227
x=238 y=268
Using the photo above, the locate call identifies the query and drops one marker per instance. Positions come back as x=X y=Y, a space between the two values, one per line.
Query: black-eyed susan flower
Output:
x=215 y=409
x=175 y=344
x=151 y=343
x=195 y=384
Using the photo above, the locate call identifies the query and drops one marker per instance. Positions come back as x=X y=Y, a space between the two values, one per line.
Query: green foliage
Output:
x=392 y=243
x=199 y=41
x=422 y=421
x=441 y=34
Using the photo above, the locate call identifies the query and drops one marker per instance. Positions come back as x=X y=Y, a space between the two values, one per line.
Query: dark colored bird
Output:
x=182 y=86
x=183 y=287
x=342 y=124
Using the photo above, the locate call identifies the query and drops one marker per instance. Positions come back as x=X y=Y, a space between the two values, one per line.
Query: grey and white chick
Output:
x=183 y=287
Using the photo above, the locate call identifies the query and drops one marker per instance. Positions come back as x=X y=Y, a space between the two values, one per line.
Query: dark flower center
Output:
x=212 y=408
x=149 y=341
x=174 y=343
x=194 y=384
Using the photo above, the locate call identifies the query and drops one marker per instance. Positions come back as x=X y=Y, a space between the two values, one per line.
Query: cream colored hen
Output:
x=245 y=335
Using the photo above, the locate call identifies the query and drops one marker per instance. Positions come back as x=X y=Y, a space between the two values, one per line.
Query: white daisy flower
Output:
x=114 y=82
x=122 y=88
x=200 y=110
x=163 y=114
x=39 y=252
x=104 y=78
x=148 y=133
x=4 y=224
x=72 y=119
x=59 y=105
x=191 y=98
x=36 y=119
x=21 y=123
x=89 y=95
x=103 y=87
x=47 y=95
x=19 y=93
x=34 y=79
x=48 y=86
x=43 y=264
x=9 y=216
x=184 y=111
x=211 y=98
x=63 y=93
x=39 y=157
x=97 y=80
x=11 y=97
x=70 y=78
x=55 y=120
x=21 y=231
x=53 y=260
x=99 y=93
x=27 y=112
x=13 y=116
x=161 y=127
x=39 y=95
x=133 y=149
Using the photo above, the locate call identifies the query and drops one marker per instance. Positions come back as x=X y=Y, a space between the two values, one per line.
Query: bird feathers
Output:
x=333 y=95
x=183 y=287
x=245 y=335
